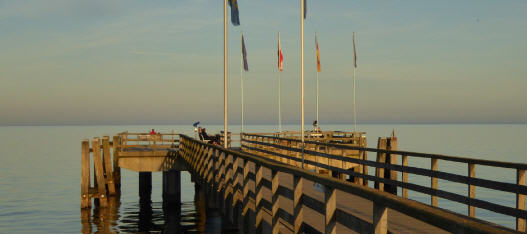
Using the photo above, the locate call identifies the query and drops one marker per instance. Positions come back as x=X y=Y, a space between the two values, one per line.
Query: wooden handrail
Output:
x=440 y=218
x=433 y=173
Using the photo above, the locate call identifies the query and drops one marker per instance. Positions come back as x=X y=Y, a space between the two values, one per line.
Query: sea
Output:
x=40 y=173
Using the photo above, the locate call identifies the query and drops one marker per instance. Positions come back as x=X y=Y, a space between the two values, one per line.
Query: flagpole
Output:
x=225 y=86
x=354 y=84
x=279 y=91
x=317 y=78
x=354 y=103
x=241 y=81
x=302 y=72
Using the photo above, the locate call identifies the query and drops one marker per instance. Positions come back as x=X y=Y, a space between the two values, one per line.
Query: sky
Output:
x=161 y=62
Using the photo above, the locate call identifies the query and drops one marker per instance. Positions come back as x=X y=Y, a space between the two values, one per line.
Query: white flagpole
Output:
x=279 y=89
x=354 y=103
x=354 y=84
x=302 y=73
x=317 y=78
x=225 y=84
x=241 y=80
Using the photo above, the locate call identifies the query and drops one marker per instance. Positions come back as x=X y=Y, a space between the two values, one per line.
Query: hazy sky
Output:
x=130 y=61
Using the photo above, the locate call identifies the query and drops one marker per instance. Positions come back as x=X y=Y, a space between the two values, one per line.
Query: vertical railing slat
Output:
x=433 y=181
x=520 y=200
x=471 y=189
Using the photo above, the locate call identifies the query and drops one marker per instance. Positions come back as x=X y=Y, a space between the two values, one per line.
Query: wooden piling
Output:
x=99 y=172
x=116 y=144
x=298 y=204
x=330 y=199
x=145 y=186
x=85 y=174
x=107 y=157
x=380 y=219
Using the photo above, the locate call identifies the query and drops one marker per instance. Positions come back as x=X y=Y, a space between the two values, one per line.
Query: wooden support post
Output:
x=85 y=174
x=405 y=176
x=275 y=201
x=471 y=189
x=433 y=181
x=330 y=199
x=259 y=195
x=108 y=164
x=172 y=189
x=391 y=159
x=380 y=219
x=298 y=204
x=520 y=200
x=116 y=169
x=99 y=172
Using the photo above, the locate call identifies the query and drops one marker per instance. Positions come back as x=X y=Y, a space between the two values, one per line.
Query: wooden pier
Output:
x=274 y=185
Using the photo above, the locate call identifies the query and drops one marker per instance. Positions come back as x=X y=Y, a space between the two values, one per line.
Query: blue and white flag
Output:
x=235 y=14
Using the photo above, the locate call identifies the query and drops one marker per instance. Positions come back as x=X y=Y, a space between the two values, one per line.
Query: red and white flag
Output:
x=280 y=55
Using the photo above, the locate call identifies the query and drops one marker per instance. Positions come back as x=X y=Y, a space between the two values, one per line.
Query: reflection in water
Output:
x=145 y=217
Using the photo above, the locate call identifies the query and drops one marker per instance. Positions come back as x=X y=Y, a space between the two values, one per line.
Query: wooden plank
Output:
x=99 y=172
x=520 y=200
x=471 y=189
x=275 y=201
x=298 y=210
x=380 y=219
x=433 y=182
x=85 y=174
x=107 y=157
x=330 y=200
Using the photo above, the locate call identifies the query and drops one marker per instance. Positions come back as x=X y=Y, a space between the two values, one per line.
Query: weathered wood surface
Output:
x=279 y=195
x=386 y=161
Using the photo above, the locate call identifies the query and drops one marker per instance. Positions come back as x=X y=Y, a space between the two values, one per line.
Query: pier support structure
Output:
x=145 y=186
x=172 y=189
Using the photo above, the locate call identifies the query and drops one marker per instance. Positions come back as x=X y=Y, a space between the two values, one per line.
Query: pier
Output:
x=274 y=184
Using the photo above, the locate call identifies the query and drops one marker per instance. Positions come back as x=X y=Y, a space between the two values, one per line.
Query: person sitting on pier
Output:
x=153 y=132
x=211 y=139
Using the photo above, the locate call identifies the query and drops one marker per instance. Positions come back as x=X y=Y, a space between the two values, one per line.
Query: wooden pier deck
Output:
x=262 y=187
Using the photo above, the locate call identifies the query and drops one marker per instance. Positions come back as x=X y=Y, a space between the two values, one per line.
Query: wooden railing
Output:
x=232 y=173
x=281 y=149
x=155 y=142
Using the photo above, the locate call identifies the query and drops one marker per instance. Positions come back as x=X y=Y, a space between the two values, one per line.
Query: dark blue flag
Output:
x=244 y=53
x=235 y=14
x=305 y=9
x=195 y=124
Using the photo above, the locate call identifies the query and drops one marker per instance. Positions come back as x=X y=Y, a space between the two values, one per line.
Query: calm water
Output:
x=40 y=173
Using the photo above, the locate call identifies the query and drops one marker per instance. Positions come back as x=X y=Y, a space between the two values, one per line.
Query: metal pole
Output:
x=225 y=88
x=317 y=98
x=279 y=103
x=302 y=72
x=241 y=81
x=354 y=103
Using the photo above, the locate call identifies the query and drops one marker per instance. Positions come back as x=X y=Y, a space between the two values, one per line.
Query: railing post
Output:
x=298 y=204
x=380 y=219
x=405 y=176
x=276 y=201
x=85 y=174
x=259 y=195
x=330 y=199
x=520 y=200
x=248 y=212
x=471 y=189
x=433 y=181
x=381 y=158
